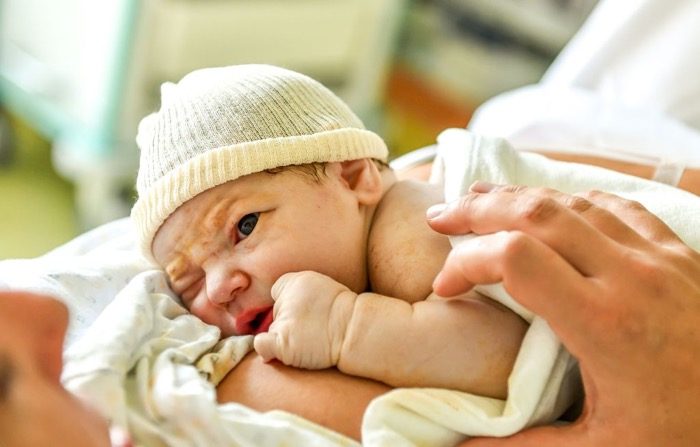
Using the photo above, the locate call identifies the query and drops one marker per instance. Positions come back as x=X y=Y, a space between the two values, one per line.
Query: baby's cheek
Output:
x=213 y=316
x=201 y=310
x=200 y=305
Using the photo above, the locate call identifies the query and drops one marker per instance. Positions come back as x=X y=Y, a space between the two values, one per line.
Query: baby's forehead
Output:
x=195 y=221
x=212 y=209
x=189 y=249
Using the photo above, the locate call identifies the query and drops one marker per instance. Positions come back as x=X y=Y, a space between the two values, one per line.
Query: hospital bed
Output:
x=100 y=274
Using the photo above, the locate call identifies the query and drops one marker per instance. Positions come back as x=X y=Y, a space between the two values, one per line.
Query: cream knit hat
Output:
x=218 y=124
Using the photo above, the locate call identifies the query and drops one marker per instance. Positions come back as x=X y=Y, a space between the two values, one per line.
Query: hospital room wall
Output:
x=443 y=59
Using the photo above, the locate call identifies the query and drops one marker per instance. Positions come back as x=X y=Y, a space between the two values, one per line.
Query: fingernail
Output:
x=482 y=186
x=435 y=210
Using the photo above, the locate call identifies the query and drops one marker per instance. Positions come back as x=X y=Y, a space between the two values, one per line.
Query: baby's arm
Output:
x=468 y=343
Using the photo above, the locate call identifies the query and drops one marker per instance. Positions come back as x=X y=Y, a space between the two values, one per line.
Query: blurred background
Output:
x=76 y=76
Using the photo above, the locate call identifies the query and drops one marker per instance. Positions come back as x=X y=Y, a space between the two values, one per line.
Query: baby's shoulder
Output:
x=404 y=253
x=407 y=198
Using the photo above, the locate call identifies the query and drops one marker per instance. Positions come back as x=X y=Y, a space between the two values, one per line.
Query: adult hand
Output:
x=619 y=288
x=311 y=315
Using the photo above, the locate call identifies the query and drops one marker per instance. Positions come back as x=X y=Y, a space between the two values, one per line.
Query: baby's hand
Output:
x=311 y=315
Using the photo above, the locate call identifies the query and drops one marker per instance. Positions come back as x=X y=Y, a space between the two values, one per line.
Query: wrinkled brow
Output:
x=217 y=215
x=177 y=266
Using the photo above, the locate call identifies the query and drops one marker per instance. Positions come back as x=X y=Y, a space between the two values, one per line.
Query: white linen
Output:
x=495 y=160
x=637 y=53
x=139 y=357
x=150 y=366
x=627 y=86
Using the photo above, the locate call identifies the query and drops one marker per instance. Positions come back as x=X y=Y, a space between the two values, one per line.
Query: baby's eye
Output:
x=247 y=224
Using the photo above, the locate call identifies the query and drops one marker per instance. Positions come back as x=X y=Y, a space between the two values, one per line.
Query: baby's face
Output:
x=224 y=249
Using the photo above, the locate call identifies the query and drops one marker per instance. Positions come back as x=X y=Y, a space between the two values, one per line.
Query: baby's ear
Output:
x=363 y=178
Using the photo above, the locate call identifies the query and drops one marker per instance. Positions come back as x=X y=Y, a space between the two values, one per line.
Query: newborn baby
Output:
x=273 y=213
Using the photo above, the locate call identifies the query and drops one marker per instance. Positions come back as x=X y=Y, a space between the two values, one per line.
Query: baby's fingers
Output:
x=285 y=284
x=266 y=345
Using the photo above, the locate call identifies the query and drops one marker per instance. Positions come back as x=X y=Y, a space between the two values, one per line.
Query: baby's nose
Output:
x=224 y=288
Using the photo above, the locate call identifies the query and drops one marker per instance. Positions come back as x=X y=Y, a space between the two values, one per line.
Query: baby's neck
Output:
x=389 y=179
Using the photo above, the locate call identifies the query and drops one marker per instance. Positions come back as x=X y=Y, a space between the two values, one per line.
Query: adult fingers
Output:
x=625 y=221
x=532 y=272
x=634 y=215
x=601 y=218
x=540 y=214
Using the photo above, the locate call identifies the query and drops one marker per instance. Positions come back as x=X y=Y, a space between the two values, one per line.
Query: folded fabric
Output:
x=494 y=160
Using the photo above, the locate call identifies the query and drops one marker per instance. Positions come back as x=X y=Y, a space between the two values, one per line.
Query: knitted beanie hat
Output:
x=218 y=124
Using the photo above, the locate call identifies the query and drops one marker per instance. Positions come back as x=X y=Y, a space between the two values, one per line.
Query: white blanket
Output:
x=149 y=365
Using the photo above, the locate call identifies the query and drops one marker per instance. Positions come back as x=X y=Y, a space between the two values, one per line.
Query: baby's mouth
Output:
x=262 y=322
x=254 y=321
